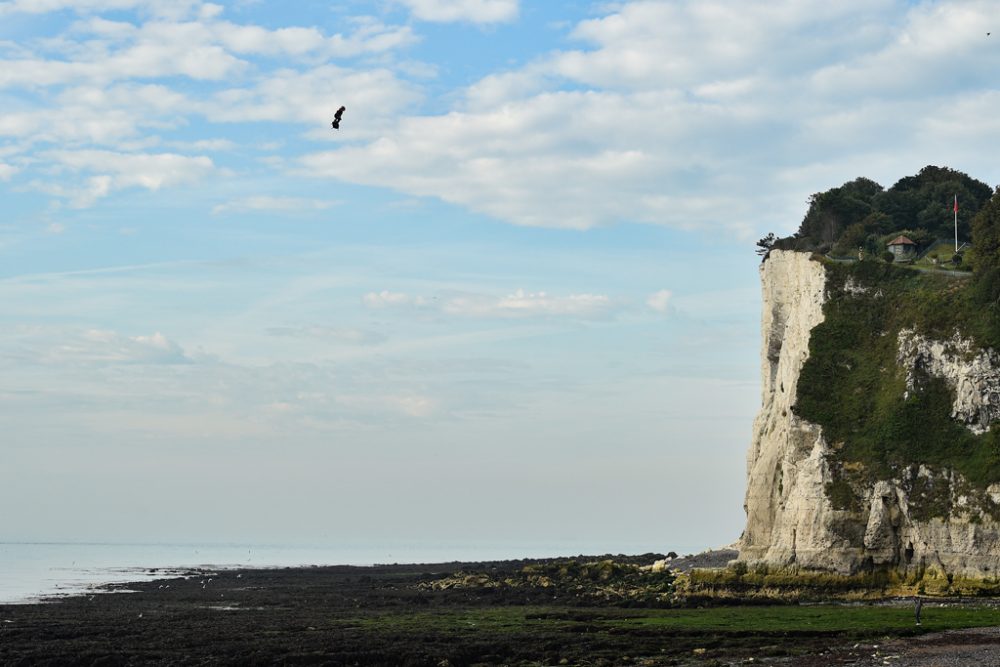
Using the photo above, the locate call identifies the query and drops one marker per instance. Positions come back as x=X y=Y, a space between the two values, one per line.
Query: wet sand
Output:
x=975 y=647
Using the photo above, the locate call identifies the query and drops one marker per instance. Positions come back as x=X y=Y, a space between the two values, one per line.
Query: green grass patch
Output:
x=851 y=619
x=944 y=250
x=550 y=634
x=840 y=619
x=490 y=619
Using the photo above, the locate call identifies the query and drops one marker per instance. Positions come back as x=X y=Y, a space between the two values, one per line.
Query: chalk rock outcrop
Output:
x=973 y=374
x=791 y=520
x=788 y=513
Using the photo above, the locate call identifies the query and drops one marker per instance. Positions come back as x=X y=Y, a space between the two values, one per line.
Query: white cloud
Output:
x=205 y=50
x=689 y=114
x=498 y=90
x=415 y=406
x=473 y=11
x=652 y=44
x=346 y=335
x=660 y=301
x=155 y=50
x=115 y=171
x=210 y=145
x=98 y=115
x=410 y=405
x=530 y=304
x=167 y=8
x=96 y=346
x=310 y=97
x=268 y=203
x=518 y=304
x=370 y=36
x=930 y=47
x=386 y=298
x=565 y=159
x=696 y=115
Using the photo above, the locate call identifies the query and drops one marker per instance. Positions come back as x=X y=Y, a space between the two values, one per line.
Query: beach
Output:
x=518 y=612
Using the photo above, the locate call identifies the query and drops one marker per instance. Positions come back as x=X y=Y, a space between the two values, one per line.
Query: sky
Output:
x=512 y=302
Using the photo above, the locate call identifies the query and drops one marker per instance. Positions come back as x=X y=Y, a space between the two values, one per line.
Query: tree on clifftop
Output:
x=831 y=212
x=765 y=244
x=924 y=201
x=861 y=212
x=986 y=236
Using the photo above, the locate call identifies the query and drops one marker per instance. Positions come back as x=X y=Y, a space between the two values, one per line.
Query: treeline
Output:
x=861 y=214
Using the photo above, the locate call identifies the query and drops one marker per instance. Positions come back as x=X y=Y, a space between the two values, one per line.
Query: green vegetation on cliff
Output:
x=854 y=387
x=863 y=214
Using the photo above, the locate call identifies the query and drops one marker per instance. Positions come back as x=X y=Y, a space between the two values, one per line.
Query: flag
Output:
x=956 y=204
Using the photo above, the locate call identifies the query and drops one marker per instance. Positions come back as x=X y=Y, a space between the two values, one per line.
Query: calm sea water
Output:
x=33 y=571
x=29 y=571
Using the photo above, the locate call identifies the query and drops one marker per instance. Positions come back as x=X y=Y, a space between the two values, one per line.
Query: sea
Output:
x=44 y=571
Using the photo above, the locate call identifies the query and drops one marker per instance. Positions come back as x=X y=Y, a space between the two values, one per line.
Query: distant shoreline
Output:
x=32 y=570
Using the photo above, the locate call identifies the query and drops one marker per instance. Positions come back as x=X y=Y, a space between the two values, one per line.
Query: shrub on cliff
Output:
x=986 y=236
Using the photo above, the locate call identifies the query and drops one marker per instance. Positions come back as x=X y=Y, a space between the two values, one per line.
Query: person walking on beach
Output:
x=918 y=603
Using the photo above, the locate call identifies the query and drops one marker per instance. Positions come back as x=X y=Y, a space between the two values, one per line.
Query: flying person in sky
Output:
x=336 y=117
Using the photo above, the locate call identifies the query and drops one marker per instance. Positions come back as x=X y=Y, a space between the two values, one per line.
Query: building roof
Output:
x=901 y=240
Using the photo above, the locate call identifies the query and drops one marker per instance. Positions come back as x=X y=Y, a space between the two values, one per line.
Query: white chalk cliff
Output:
x=791 y=521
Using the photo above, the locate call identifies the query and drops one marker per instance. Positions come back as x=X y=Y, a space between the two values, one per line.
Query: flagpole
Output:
x=955 y=209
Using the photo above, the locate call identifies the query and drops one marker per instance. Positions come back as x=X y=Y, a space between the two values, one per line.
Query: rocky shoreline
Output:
x=600 y=610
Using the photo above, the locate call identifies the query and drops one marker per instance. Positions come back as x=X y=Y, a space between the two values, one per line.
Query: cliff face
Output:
x=806 y=507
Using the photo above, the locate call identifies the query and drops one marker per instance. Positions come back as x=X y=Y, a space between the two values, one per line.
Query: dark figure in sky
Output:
x=336 y=117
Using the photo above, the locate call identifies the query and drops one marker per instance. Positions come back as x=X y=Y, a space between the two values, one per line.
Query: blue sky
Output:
x=512 y=301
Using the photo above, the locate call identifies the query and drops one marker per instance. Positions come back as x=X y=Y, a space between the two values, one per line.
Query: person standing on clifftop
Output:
x=918 y=603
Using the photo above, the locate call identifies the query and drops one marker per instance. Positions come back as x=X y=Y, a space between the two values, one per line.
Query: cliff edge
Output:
x=885 y=457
